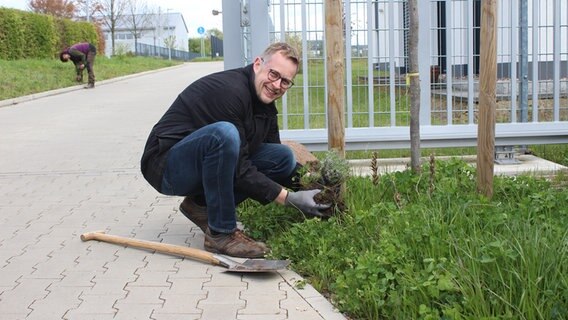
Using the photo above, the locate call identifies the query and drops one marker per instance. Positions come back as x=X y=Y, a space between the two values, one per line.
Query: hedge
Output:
x=27 y=35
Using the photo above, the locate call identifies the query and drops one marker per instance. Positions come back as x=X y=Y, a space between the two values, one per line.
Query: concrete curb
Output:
x=528 y=164
x=318 y=302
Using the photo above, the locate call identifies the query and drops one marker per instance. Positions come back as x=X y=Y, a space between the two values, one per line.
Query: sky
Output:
x=196 y=13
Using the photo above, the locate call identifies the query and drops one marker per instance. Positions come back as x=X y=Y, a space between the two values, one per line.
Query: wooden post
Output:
x=487 y=98
x=335 y=53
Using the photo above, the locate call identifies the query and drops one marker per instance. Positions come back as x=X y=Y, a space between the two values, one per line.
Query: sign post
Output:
x=201 y=32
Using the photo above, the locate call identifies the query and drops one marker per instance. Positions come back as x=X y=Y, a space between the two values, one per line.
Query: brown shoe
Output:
x=236 y=244
x=194 y=212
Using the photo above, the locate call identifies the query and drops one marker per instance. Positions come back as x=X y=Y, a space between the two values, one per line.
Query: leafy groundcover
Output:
x=428 y=246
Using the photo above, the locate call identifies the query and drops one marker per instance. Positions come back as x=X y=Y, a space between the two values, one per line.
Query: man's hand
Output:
x=304 y=201
x=81 y=66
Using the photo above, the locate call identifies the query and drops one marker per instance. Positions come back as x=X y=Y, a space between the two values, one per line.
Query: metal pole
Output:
x=169 y=43
x=160 y=31
x=259 y=27
x=524 y=51
x=232 y=35
x=88 y=4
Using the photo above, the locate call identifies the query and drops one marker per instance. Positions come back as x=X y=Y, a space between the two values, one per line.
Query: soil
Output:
x=331 y=193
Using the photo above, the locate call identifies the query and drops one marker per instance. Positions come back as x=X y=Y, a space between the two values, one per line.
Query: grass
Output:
x=429 y=246
x=360 y=98
x=29 y=76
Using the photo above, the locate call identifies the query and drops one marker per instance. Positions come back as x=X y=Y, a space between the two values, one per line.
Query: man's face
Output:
x=276 y=67
x=66 y=57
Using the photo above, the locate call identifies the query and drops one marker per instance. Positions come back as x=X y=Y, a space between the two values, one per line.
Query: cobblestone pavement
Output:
x=69 y=164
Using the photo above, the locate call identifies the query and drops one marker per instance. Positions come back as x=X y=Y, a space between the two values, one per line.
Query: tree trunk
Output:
x=414 y=86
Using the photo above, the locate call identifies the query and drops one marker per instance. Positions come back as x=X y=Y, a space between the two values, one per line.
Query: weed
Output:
x=300 y=284
x=374 y=169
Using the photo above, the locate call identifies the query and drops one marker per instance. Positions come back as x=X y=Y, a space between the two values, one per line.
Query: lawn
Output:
x=29 y=76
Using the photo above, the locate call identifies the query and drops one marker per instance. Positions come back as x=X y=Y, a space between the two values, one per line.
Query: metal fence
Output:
x=216 y=47
x=166 y=53
x=532 y=53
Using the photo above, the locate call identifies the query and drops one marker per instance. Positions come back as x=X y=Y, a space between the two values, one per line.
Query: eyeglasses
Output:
x=274 y=75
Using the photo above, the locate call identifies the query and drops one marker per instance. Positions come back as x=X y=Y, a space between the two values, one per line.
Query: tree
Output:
x=58 y=8
x=138 y=19
x=414 y=86
x=295 y=40
x=156 y=22
x=215 y=32
x=86 y=9
x=194 y=45
x=170 y=42
x=111 y=13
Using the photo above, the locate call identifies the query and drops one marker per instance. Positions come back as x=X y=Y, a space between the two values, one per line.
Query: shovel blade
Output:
x=252 y=265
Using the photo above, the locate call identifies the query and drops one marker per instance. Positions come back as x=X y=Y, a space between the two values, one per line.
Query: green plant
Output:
x=328 y=175
x=405 y=250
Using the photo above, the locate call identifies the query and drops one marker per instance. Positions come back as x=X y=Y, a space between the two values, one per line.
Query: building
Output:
x=162 y=31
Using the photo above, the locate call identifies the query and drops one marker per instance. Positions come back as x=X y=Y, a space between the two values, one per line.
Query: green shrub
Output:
x=26 y=35
x=40 y=34
x=73 y=32
x=12 y=39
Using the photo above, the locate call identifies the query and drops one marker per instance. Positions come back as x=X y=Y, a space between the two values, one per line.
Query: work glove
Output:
x=304 y=201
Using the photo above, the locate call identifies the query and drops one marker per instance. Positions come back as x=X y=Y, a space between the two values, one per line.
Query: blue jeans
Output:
x=204 y=164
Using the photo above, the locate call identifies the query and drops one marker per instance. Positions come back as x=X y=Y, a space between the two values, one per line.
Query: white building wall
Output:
x=154 y=32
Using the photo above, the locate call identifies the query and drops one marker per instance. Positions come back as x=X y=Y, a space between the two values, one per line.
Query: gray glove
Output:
x=304 y=201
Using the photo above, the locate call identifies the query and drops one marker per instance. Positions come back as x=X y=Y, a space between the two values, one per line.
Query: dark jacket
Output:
x=224 y=96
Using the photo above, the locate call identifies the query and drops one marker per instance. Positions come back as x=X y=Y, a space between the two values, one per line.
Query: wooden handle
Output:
x=188 y=252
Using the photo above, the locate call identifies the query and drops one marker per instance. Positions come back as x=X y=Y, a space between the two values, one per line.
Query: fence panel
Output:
x=532 y=87
x=147 y=50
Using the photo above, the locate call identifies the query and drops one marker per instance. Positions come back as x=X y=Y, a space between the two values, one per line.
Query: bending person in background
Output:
x=83 y=56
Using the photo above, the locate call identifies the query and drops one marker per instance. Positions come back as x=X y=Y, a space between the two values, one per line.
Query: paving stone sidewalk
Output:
x=69 y=164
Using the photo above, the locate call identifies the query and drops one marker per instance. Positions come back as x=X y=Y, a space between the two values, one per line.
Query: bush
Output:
x=40 y=34
x=11 y=34
x=74 y=32
x=25 y=35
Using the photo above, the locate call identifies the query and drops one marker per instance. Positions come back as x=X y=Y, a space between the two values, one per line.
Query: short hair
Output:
x=288 y=51
x=63 y=59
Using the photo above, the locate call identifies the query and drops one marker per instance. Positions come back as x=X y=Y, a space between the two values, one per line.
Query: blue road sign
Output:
x=201 y=30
